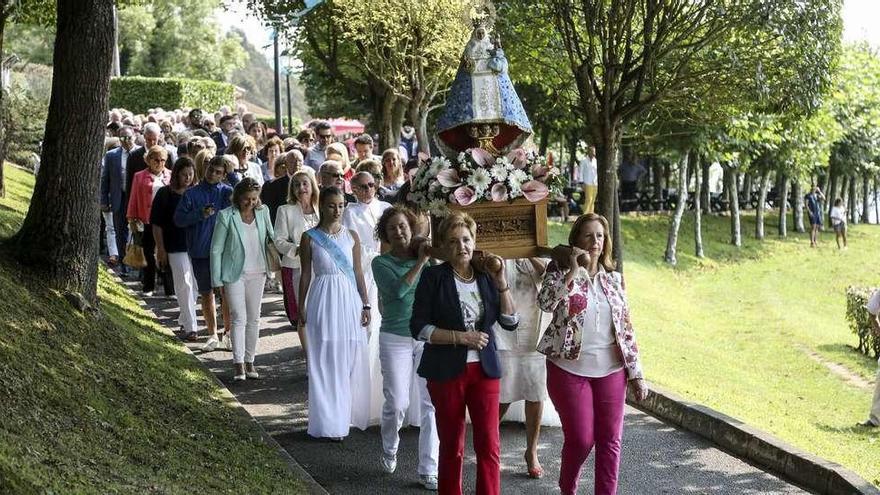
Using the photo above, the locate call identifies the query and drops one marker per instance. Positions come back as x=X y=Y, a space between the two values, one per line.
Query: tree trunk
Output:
x=704 y=184
x=798 y=213
x=417 y=112
x=865 y=195
x=699 y=203
x=607 y=149
x=782 y=190
x=3 y=16
x=733 y=205
x=388 y=121
x=851 y=204
x=876 y=203
x=572 y=154
x=675 y=221
x=58 y=241
x=657 y=176
x=831 y=192
x=762 y=199
x=748 y=185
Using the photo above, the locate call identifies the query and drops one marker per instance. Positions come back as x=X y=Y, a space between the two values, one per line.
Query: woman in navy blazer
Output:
x=454 y=311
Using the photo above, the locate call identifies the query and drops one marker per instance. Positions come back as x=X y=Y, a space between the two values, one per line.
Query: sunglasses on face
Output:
x=369 y=185
x=336 y=175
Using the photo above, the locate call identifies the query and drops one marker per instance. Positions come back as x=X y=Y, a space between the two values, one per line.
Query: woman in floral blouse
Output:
x=591 y=353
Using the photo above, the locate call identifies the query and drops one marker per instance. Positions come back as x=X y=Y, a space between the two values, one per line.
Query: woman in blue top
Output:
x=239 y=264
x=397 y=274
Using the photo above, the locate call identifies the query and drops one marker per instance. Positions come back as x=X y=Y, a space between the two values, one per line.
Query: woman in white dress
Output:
x=334 y=312
x=297 y=216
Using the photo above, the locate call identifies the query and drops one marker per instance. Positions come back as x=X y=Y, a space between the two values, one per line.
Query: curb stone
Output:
x=760 y=448
x=311 y=486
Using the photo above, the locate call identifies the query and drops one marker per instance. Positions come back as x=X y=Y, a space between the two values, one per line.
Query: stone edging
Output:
x=312 y=487
x=761 y=449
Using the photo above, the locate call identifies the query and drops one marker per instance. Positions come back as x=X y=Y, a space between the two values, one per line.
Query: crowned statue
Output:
x=482 y=108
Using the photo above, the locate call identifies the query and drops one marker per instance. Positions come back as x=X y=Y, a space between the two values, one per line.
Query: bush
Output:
x=860 y=320
x=138 y=94
x=24 y=117
x=270 y=123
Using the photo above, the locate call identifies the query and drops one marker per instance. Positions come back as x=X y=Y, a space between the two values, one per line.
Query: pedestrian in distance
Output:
x=838 y=222
x=814 y=210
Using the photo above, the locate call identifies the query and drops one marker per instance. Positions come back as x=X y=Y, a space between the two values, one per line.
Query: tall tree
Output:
x=628 y=55
x=58 y=240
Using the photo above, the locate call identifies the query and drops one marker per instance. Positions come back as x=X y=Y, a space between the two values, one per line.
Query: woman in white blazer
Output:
x=297 y=216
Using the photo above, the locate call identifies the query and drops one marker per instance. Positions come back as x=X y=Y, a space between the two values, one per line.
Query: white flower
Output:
x=518 y=177
x=436 y=206
x=515 y=190
x=499 y=172
x=461 y=157
x=479 y=180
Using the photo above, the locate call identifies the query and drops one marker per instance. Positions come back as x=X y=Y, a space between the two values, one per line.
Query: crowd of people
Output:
x=383 y=315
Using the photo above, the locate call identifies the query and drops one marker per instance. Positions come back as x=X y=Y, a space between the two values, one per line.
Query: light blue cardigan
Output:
x=227 y=243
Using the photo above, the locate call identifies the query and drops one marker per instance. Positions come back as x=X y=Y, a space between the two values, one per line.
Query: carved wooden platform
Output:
x=515 y=229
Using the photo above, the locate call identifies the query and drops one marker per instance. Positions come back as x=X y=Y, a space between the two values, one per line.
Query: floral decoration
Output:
x=477 y=176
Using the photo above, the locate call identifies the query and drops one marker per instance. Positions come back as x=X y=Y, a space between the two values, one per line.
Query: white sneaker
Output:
x=428 y=481
x=389 y=464
x=226 y=343
x=211 y=344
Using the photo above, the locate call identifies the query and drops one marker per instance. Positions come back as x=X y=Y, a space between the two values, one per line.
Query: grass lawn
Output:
x=110 y=404
x=733 y=331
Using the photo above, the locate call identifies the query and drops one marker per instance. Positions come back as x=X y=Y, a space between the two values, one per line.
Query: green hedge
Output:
x=138 y=94
x=860 y=320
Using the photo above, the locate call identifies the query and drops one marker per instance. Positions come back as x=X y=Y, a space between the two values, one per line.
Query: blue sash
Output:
x=323 y=240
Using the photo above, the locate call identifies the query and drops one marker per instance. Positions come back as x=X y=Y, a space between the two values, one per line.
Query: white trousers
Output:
x=245 y=297
x=110 y=234
x=400 y=357
x=875 y=404
x=185 y=289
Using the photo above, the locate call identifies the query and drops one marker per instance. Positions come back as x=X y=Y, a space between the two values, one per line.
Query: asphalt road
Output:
x=656 y=459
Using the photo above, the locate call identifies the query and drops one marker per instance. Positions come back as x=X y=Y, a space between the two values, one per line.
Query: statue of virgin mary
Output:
x=482 y=107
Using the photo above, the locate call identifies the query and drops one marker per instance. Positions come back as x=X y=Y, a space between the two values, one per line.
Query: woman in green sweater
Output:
x=397 y=275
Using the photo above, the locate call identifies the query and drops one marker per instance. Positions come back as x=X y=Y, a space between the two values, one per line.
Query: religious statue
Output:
x=482 y=108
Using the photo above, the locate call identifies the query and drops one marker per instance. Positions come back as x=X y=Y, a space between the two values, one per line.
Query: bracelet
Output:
x=366 y=306
x=501 y=291
x=454 y=338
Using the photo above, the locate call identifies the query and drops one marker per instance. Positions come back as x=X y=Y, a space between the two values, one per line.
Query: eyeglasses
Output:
x=125 y=138
x=369 y=185
x=336 y=175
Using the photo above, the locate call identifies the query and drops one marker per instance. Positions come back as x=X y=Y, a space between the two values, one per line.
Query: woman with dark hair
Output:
x=239 y=264
x=454 y=311
x=334 y=310
x=591 y=353
x=144 y=187
x=397 y=274
x=170 y=239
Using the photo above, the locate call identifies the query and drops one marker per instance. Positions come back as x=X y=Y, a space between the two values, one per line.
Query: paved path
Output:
x=657 y=458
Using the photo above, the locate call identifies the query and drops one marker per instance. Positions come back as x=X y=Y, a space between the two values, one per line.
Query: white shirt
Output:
x=253 y=257
x=362 y=218
x=472 y=311
x=157 y=183
x=599 y=354
x=254 y=172
x=123 y=160
x=838 y=215
x=589 y=171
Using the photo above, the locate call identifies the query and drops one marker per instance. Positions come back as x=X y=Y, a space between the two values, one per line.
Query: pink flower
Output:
x=539 y=171
x=499 y=192
x=465 y=195
x=535 y=191
x=482 y=157
x=448 y=178
x=518 y=158
x=577 y=302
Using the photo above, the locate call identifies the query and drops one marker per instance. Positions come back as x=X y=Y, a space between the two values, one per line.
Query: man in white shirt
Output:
x=590 y=179
x=873 y=420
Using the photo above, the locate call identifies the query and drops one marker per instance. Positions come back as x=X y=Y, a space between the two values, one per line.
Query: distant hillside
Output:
x=257 y=77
